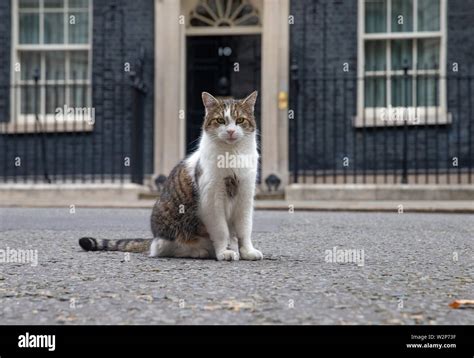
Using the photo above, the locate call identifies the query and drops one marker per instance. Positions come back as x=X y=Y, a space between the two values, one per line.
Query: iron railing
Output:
x=333 y=139
x=72 y=131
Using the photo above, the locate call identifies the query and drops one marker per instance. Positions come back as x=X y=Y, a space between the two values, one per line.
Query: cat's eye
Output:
x=240 y=120
x=220 y=120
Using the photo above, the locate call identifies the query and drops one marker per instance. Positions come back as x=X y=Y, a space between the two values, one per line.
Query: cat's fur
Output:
x=205 y=210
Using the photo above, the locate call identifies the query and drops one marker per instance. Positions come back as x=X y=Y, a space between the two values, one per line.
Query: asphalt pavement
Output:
x=318 y=268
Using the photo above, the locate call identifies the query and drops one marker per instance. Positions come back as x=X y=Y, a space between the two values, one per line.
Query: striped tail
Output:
x=125 y=245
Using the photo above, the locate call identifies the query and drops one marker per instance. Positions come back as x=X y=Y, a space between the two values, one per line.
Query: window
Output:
x=402 y=51
x=52 y=43
x=230 y=16
x=220 y=14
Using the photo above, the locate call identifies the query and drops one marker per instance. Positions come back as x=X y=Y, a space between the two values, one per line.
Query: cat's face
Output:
x=229 y=120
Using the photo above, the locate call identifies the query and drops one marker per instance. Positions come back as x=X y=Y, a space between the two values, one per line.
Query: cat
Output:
x=205 y=209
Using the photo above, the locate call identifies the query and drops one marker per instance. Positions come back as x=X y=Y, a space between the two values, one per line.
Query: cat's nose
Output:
x=230 y=132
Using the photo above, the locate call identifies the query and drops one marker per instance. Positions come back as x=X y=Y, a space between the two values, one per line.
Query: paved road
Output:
x=413 y=266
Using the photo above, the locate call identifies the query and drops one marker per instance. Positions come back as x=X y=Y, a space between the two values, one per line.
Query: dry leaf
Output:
x=147 y=298
x=237 y=306
x=212 y=307
x=231 y=305
x=462 y=304
x=66 y=318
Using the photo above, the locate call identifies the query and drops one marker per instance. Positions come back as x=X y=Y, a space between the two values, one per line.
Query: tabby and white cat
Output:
x=205 y=208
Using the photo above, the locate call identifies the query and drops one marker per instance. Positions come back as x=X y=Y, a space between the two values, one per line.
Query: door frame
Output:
x=170 y=93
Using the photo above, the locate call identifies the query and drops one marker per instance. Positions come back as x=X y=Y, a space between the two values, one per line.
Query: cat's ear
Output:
x=208 y=100
x=250 y=100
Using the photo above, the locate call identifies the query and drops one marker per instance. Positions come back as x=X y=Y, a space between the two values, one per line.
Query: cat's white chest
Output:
x=226 y=186
x=238 y=183
x=227 y=176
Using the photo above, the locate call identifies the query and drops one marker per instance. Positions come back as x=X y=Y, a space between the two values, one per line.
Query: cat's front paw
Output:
x=227 y=255
x=250 y=254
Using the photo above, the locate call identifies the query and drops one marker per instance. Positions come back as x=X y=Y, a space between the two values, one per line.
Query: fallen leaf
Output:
x=66 y=318
x=212 y=307
x=237 y=306
x=417 y=317
x=147 y=298
x=462 y=304
x=231 y=305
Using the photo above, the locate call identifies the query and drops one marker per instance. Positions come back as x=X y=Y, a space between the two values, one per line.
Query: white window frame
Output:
x=26 y=123
x=380 y=116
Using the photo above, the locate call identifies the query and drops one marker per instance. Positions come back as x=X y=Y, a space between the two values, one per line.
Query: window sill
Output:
x=395 y=117
x=28 y=124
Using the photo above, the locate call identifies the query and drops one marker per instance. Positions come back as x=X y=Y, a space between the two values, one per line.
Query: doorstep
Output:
x=67 y=194
x=129 y=195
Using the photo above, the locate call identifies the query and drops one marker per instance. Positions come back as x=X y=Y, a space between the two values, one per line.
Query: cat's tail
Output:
x=125 y=245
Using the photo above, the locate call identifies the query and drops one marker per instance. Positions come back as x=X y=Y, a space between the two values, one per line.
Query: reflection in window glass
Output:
x=78 y=27
x=402 y=15
x=29 y=62
x=29 y=28
x=428 y=15
x=375 y=16
x=402 y=91
x=402 y=54
x=55 y=65
x=53 y=28
x=375 y=56
x=78 y=65
x=426 y=89
x=428 y=53
x=375 y=92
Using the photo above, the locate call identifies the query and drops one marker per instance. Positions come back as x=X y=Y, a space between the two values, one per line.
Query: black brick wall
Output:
x=324 y=37
x=116 y=40
x=5 y=56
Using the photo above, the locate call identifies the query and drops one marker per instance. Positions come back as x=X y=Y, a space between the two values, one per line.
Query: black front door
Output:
x=222 y=66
